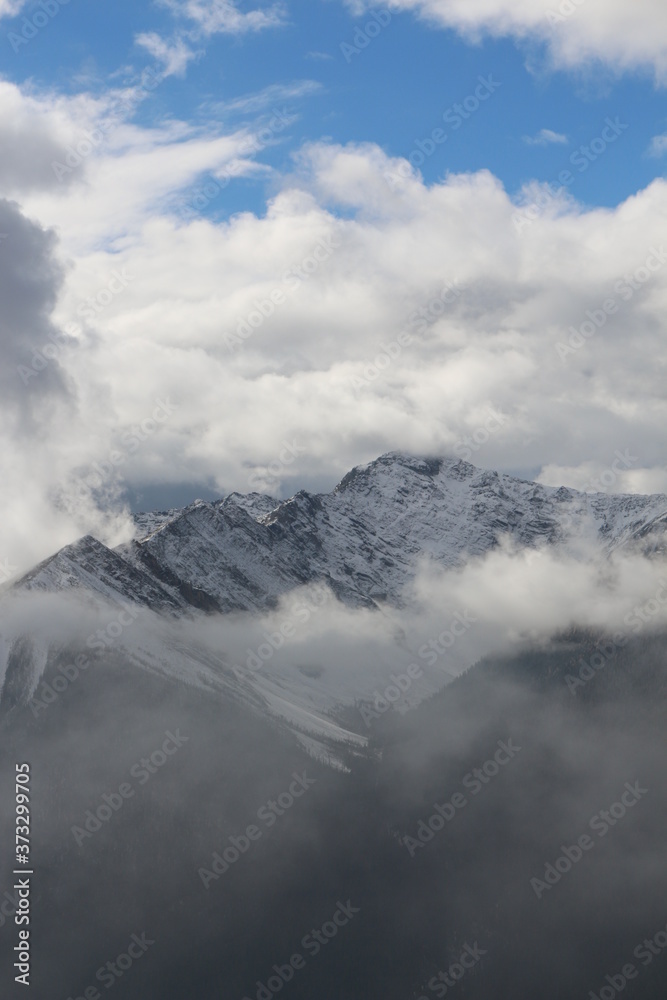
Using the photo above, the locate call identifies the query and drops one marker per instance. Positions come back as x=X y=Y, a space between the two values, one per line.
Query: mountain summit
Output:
x=363 y=539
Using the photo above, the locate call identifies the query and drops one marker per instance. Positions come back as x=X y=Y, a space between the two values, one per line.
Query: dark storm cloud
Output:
x=30 y=343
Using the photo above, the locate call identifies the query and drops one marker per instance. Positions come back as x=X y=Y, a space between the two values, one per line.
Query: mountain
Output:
x=220 y=561
x=363 y=539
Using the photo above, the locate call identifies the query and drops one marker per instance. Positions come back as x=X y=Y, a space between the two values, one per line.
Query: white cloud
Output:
x=174 y=56
x=204 y=18
x=36 y=129
x=212 y=17
x=9 y=8
x=41 y=430
x=623 y=36
x=619 y=475
x=93 y=174
x=526 y=596
x=269 y=97
x=545 y=137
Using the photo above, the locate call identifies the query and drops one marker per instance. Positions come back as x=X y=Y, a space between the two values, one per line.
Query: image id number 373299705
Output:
x=23 y=869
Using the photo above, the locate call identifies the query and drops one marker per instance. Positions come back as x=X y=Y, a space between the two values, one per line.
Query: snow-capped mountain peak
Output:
x=363 y=539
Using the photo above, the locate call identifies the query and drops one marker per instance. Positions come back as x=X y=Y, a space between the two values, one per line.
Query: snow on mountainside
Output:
x=362 y=540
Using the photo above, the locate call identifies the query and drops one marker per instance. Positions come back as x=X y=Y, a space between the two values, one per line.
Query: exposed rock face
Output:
x=362 y=539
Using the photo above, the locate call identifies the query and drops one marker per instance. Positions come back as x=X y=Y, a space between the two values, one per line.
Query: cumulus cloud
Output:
x=491 y=342
x=622 y=36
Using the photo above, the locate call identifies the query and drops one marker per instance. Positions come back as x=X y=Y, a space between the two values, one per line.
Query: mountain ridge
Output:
x=243 y=551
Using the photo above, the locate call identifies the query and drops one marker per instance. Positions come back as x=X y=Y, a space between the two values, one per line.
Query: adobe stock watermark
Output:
x=471 y=443
x=268 y=814
x=392 y=694
x=291 y=282
x=601 y=824
x=430 y=652
x=31 y=27
x=109 y=973
x=363 y=37
x=645 y=952
x=626 y=288
x=298 y=614
x=112 y=802
x=267 y=477
x=581 y=159
x=69 y=673
x=603 y=481
x=454 y=116
x=312 y=943
x=442 y=982
x=201 y=197
x=424 y=317
x=90 y=308
x=474 y=781
x=421 y=319
x=433 y=649
x=636 y=620
x=372 y=370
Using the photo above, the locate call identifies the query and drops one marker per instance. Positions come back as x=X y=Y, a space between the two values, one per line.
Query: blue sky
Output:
x=394 y=92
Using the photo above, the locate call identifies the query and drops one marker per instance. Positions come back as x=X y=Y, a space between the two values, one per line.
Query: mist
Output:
x=193 y=856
